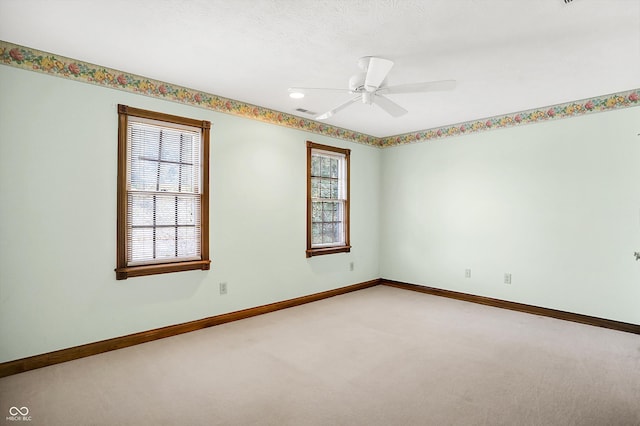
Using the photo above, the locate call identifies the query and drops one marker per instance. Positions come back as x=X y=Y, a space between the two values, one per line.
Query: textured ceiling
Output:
x=507 y=55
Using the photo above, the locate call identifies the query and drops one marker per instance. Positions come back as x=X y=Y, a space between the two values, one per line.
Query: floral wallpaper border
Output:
x=48 y=63
x=571 y=109
x=34 y=60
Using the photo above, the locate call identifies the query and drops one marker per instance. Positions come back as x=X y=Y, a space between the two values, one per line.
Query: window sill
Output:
x=163 y=268
x=327 y=250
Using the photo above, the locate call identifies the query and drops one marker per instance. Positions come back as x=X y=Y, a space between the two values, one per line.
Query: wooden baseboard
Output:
x=514 y=306
x=63 y=355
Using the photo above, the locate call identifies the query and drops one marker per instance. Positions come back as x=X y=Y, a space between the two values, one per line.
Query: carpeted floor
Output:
x=380 y=356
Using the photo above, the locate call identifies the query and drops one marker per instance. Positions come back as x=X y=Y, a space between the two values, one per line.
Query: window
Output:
x=327 y=199
x=163 y=193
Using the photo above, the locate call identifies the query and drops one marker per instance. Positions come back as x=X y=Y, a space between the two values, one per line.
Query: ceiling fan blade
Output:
x=427 y=86
x=377 y=71
x=389 y=106
x=338 y=108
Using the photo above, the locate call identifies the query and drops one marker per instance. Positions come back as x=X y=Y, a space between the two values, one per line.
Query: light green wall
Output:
x=555 y=204
x=58 y=208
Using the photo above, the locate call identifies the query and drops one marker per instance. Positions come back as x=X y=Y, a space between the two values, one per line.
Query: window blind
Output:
x=164 y=191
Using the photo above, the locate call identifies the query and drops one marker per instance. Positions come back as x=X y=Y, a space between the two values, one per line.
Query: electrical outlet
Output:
x=467 y=273
x=223 y=288
x=351 y=265
x=507 y=278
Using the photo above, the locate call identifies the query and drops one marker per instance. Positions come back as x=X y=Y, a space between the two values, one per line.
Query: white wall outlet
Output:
x=507 y=278
x=351 y=266
x=467 y=273
x=223 y=288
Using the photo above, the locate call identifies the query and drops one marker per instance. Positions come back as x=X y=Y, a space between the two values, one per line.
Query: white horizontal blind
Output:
x=328 y=198
x=163 y=192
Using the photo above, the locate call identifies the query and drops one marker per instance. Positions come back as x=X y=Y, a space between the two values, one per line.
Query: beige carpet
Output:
x=380 y=356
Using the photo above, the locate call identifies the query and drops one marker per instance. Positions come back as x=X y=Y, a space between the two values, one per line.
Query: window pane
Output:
x=187 y=210
x=170 y=149
x=337 y=237
x=327 y=212
x=326 y=167
x=145 y=141
x=140 y=244
x=315 y=188
x=140 y=210
x=188 y=149
x=188 y=179
x=334 y=168
x=168 y=179
x=327 y=233
x=165 y=242
x=316 y=212
x=316 y=233
x=334 y=189
x=187 y=242
x=325 y=188
x=315 y=165
x=165 y=210
x=144 y=174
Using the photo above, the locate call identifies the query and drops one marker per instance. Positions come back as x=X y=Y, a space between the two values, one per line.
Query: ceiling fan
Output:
x=369 y=87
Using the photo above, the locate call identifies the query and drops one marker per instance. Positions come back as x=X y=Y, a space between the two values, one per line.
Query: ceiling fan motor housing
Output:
x=356 y=82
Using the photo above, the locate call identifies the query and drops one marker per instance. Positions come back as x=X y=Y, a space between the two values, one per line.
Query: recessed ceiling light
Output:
x=296 y=95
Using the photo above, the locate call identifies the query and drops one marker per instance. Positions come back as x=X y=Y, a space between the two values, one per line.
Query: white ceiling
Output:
x=507 y=55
